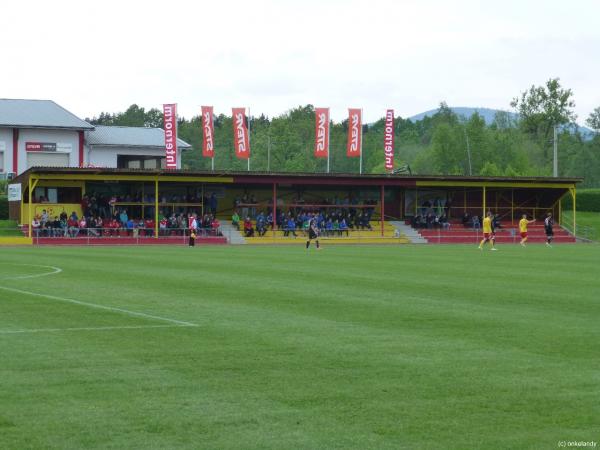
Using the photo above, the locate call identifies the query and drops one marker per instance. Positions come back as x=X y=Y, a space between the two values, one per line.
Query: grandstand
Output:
x=382 y=208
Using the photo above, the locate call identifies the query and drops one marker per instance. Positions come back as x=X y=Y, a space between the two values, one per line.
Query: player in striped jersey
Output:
x=313 y=233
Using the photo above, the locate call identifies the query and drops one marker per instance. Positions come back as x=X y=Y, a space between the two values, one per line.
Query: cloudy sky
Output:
x=273 y=55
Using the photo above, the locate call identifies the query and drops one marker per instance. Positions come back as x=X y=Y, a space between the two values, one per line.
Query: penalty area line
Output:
x=123 y=327
x=104 y=307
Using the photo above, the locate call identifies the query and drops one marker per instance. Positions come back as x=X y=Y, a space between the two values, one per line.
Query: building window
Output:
x=140 y=162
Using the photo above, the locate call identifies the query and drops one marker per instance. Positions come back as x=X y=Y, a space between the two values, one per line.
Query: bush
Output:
x=587 y=200
x=3 y=207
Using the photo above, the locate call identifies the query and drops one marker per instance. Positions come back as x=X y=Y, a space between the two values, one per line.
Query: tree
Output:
x=541 y=108
x=593 y=121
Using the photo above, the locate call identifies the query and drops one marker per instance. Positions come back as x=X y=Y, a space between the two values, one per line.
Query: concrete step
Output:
x=232 y=234
x=409 y=232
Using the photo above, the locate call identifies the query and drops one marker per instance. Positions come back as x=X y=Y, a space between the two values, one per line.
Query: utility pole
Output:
x=269 y=152
x=555 y=171
x=468 y=150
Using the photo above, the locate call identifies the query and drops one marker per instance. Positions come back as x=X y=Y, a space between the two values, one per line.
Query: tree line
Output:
x=444 y=143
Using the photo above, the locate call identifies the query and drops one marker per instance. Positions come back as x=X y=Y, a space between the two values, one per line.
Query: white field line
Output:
x=104 y=307
x=55 y=270
x=124 y=327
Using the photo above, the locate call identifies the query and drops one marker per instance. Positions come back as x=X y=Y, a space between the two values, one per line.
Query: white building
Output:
x=43 y=134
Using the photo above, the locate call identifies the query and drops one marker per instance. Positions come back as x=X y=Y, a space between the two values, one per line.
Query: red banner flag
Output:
x=170 y=119
x=321 y=132
x=208 y=141
x=354 y=147
x=241 y=141
x=388 y=140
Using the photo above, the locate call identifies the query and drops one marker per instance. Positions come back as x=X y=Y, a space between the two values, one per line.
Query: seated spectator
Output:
x=149 y=227
x=216 y=227
x=130 y=225
x=343 y=227
x=261 y=225
x=290 y=227
x=73 y=226
x=328 y=227
x=475 y=222
x=55 y=228
x=336 y=228
x=466 y=220
x=248 y=229
x=83 y=225
x=444 y=222
x=162 y=226
x=235 y=220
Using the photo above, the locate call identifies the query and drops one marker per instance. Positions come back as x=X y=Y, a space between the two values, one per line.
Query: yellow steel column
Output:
x=156 y=208
x=29 y=206
x=484 y=194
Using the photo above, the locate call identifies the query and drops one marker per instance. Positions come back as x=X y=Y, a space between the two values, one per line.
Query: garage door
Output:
x=47 y=160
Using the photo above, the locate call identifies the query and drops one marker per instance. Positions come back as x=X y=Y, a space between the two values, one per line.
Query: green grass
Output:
x=9 y=228
x=587 y=223
x=416 y=347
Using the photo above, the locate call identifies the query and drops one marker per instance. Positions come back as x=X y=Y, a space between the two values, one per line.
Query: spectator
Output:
x=343 y=227
x=123 y=217
x=235 y=220
x=216 y=227
x=261 y=224
x=475 y=222
x=213 y=203
x=248 y=229
x=466 y=219
x=56 y=229
x=35 y=226
x=82 y=225
x=290 y=227
x=73 y=226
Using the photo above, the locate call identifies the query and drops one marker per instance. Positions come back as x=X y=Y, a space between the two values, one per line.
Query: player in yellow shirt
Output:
x=488 y=232
x=523 y=228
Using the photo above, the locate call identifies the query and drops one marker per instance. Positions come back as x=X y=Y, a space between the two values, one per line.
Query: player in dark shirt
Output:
x=548 y=223
x=313 y=233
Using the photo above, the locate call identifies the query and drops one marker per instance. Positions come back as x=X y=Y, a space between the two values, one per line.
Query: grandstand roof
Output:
x=130 y=137
x=17 y=113
x=301 y=178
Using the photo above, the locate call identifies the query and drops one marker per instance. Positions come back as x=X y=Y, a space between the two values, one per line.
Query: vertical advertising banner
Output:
x=354 y=147
x=321 y=132
x=241 y=141
x=208 y=127
x=388 y=140
x=170 y=119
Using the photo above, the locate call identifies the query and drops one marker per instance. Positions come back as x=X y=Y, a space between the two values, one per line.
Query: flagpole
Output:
x=361 y=143
x=248 y=139
x=328 y=139
x=212 y=163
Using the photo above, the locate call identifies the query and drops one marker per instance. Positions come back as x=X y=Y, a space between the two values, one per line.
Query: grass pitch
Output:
x=417 y=347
